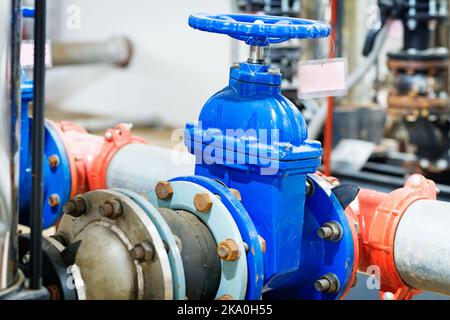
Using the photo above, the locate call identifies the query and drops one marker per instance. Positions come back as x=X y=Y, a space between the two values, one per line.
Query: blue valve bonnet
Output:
x=250 y=114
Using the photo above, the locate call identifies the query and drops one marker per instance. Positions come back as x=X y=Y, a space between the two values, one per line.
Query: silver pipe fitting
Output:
x=422 y=246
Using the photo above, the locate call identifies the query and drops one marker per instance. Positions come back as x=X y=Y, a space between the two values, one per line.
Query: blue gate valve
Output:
x=253 y=139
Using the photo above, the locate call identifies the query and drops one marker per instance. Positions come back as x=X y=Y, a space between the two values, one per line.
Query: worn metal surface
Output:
x=9 y=138
x=105 y=257
x=176 y=263
x=140 y=167
x=422 y=246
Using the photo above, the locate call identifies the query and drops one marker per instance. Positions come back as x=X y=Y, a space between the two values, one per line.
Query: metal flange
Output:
x=218 y=219
x=176 y=264
x=121 y=257
x=247 y=229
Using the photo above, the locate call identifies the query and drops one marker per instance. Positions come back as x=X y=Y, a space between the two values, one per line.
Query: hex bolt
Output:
x=228 y=250
x=111 y=209
x=309 y=188
x=236 y=193
x=53 y=200
x=108 y=135
x=203 y=202
x=53 y=161
x=328 y=283
x=143 y=251
x=262 y=242
x=331 y=231
x=76 y=207
x=274 y=70
x=388 y=296
x=164 y=190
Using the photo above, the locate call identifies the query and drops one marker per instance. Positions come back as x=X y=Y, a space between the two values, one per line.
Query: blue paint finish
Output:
x=56 y=181
x=28 y=12
x=255 y=140
x=246 y=228
x=259 y=30
x=319 y=256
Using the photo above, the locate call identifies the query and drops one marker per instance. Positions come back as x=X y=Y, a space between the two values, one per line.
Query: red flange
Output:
x=89 y=155
x=115 y=139
x=379 y=244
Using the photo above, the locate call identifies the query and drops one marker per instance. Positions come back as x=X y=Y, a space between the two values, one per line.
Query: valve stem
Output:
x=256 y=55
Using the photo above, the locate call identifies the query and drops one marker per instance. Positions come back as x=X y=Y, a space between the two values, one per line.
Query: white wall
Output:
x=174 y=71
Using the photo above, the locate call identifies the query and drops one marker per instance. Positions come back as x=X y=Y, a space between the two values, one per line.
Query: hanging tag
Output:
x=27 y=54
x=322 y=78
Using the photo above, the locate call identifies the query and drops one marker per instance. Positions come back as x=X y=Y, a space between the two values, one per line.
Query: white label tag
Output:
x=27 y=54
x=322 y=78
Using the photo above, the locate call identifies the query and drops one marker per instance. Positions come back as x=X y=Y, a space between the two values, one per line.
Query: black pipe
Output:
x=37 y=141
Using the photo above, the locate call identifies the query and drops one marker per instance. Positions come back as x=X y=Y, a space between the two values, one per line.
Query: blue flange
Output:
x=247 y=229
x=234 y=274
x=176 y=263
x=320 y=257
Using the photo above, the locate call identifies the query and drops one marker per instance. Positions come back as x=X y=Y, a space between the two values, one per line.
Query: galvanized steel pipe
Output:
x=422 y=246
x=139 y=167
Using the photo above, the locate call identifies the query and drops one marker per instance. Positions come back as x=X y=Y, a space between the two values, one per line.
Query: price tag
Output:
x=27 y=54
x=322 y=78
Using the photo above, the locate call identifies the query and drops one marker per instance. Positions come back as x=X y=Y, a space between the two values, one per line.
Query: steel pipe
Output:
x=117 y=51
x=140 y=167
x=9 y=138
x=422 y=246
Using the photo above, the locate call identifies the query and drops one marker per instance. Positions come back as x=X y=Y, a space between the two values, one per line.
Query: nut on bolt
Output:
x=53 y=161
x=143 y=251
x=331 y=231
x=53 y=200
x=225 y=297
x=111 y=209
x=203 y=202
x=236 y=193
x=76 y=207
x=164 y=190
x=228 y=250
x=328 y=283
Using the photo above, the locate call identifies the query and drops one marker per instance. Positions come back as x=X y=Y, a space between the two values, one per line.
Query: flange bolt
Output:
x=228 y=250
x=331 y=231
x=53 y=200
x=203 y=202
x=329 y=283
x=143 y=252
x=164 y=190
x=53 y=161
x=236 y=193
x=76 y=207
x=111 y=209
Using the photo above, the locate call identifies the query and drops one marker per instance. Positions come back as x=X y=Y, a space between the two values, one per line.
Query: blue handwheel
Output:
x=259 y=30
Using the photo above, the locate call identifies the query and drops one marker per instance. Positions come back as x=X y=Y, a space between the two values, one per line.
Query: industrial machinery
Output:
x=245 y=216
x=418 y=101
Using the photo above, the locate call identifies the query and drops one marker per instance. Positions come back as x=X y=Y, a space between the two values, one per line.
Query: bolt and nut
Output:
x=53 y=161
x=53 y=200
x=331 y=231
x=236 y=193
x=76 y=207
x=328 y=283
x=164 y=190
x=111 y=209
x=203 y=202
x=144 y=251
x=228 y=250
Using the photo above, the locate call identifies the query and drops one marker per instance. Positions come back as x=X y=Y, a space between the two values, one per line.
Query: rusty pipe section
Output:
x=9 y=138
x=117 y=51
